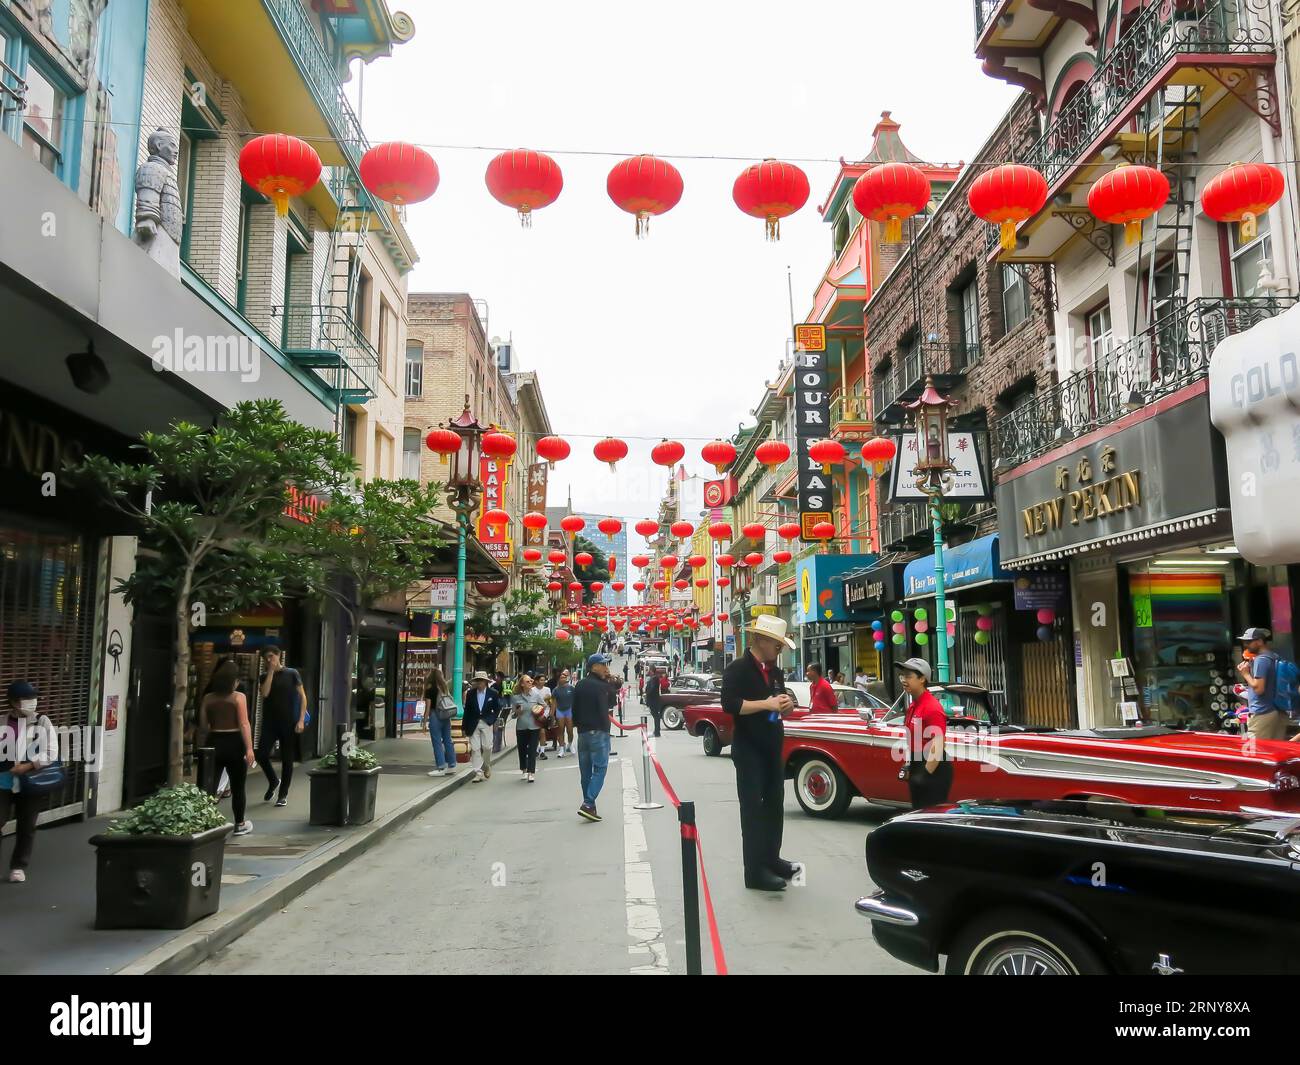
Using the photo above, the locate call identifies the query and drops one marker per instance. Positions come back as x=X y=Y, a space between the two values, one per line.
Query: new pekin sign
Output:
x=1162 y=467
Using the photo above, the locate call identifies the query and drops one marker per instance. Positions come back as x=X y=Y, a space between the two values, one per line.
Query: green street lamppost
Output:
x=463 y=491
x=935 y=476
x=742 y=580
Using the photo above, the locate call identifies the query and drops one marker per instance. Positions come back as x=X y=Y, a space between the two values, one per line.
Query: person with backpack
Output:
x=1270 y=685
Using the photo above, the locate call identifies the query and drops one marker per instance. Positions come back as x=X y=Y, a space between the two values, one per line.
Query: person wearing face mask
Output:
x=27 y=741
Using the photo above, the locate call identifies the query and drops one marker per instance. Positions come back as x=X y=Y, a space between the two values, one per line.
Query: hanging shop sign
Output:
x=812 y=409
x=820 y=585
x=970 y=482
x=1162 y=468
x=493 y=474
x=1038 y=589
x=967 y=565
x=537 y=476
x=720 y=493
x=870 y=590
x=1255 y=404
x=442 y=592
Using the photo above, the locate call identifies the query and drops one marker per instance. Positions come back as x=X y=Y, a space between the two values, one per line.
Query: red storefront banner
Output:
x=493 y=474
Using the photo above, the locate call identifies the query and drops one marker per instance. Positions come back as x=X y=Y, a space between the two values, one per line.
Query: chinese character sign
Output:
x=493 y=473
x=536 y=501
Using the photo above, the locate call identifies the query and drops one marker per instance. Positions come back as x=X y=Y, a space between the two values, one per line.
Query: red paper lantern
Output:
x=1007 y=195
x=725 y=561
x=1127 y=195
x=609 y=526
x=723 y=617
x=681 y=585
x=781 y=557
x=618 y=586
x=754 y=531
x=827 y=452
x=280 y=167
x=668 y=453
x=697 y=561
x=561 y=635
x=660 y=585
x=754 y=558
x=722 y=582
x=557 y=558
x=575 y=586
x=534 y=519
x=552 y=449
x=640 y=561
x=720 y=530
x=702 y=582
x=1241 y=194
x=498 y=445
x=647 y=527
x=610 y=450
x=890 y=193
x=525 y=180
x=446 y=442
x=532 y=554
x=611 y=563
x=582 y=558
x=771 y=190
x=789 y=530
x=496 y=518
x=879 y=449
x=719 y=454
x=554 y=586
x=638 y=586
x=681 y=529
x=399 y=173
x=644 y=186
x=771 y=453
x=668 y=562
x=597 y=586
x=823 y=530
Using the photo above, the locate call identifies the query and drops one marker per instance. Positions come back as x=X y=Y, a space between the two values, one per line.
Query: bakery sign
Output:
x=493 y=473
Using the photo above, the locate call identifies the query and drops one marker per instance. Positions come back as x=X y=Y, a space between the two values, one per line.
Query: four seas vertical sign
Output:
x=812 y=407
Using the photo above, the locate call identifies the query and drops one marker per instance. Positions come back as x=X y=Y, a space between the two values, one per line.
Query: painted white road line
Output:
x=644 y=927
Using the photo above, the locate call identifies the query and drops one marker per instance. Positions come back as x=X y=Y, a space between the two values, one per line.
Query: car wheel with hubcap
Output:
x=672 y=718
x=712 y=741
x=822 y=788
x=1021 y=943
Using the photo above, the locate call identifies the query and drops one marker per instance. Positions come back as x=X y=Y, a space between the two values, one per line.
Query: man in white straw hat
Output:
x=482 y=708
x=753 y=692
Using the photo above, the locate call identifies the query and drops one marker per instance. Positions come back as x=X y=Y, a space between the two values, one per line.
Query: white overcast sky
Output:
x=672 y=335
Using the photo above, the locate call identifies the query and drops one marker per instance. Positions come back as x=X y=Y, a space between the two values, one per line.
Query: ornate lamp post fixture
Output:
x=463 y=492
x=935 y=469
x=742 y=582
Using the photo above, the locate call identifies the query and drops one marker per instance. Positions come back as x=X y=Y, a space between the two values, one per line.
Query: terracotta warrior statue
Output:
x=158 y=215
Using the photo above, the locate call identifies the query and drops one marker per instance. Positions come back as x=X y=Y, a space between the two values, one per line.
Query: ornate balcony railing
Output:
x=327 y=340
x=849 y=408
x=1162 y=31
x=984 y=12
x=1168 y=355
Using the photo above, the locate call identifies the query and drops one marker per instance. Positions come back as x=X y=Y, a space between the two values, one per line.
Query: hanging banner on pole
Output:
x=812 y=409
x=537 y=477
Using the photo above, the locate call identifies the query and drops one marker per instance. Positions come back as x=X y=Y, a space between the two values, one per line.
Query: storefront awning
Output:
x=967 y=565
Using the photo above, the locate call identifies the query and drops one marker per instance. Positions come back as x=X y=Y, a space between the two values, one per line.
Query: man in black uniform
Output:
x=284 y=710
x=753 y=692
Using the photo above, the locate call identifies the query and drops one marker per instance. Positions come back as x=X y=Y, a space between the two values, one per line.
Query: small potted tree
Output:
x=160 y=865
x=363 y=788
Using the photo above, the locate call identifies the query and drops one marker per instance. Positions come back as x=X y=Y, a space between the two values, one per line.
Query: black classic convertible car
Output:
x=1064 y=888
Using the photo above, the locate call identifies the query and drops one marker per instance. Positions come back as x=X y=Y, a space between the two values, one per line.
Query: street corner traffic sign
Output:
x=810 y=336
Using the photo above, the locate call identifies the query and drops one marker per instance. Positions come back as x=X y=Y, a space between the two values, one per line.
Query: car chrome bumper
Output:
x=875 y=907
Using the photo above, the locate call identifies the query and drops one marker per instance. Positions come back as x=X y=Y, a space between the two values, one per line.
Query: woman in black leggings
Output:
x=223 y=715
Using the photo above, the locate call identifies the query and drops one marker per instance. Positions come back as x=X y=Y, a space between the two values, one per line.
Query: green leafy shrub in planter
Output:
x=360 y=758
x=182 y=810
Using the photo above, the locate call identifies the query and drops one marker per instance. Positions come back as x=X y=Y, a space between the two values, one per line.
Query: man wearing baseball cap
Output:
x=591 y=717
x=1258 y=669
x=927 y=771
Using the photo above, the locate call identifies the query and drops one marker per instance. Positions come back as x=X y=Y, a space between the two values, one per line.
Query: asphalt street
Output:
x=504 y=877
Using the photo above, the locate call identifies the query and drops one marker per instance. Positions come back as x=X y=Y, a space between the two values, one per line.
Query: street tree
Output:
x=512 y=623
x=204 y=501
x=597 y=571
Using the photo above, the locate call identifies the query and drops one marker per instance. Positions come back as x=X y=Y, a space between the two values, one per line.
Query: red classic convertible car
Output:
x=833 y=757
x=714 y=725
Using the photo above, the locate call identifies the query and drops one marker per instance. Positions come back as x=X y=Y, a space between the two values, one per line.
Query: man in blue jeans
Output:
x=591 y=703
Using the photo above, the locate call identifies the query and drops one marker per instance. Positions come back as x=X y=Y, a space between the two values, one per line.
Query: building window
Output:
x=970 y=324
x=43 y=120
x=361 y=298
x=411 y=454
x=1101 y=335
x=1247 y=258
x=1015 y=297
x=386 y=331
x=414 y=369
x=350 y=433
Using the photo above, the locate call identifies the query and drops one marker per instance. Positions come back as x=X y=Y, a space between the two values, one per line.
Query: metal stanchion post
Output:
x=690 y=888
x=646 y=803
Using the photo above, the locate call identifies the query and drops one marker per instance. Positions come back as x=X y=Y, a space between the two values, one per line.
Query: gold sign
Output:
x=1088 y=502
x=810 y=336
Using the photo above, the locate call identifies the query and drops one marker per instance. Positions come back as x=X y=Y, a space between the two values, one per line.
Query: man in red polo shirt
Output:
x=927 y=770
x=821 y=698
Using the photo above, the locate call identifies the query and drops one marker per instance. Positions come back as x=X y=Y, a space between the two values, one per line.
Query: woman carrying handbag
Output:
x=440 y=711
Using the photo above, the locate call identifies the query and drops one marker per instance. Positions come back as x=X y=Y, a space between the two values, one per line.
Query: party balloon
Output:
x=950 y=611
x=952 y=628
x=898 y=639
x=900 y=627
x=880 y=645
x=922 y=626
x=1046 y=616
x=981 y=638
x=984 y=624
x=876 y=626
x=897 y=615
x=984 y=610
x=922 y=638
x=952 y=641
x=1044 y=632
x=921 y=613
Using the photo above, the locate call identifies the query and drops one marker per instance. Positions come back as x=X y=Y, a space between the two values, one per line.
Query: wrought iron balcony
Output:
x=985 y=11
x=849 y=408
x=903 y=521
x=945 y=363
x=1170 y=354
x=1161 y=32
x=327 y=340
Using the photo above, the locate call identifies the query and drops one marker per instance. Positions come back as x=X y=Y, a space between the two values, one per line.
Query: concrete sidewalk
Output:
x=50 y=919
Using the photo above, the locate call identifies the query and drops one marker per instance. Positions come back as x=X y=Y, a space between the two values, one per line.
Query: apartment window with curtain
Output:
x=414 y=369
x=969 y=350
x=1015 y=297
x=1101 y=335
x=411 y=454
x=1248 y=257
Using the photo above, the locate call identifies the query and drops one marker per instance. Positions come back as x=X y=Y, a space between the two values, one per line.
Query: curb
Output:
x=198 y=943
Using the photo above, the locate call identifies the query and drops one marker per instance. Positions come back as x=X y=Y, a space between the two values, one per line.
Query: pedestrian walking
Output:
x=223 y=725
x=528 y=708
x=30 y=737
x=504 y=688
x=440 y=710
x=753 y=692
x=927 y=770
x=547 y=726
x=861 y=679
x=592 y=719
x=1259 y=670
x=562 y=692
x=821 y=693
x=223 y=782
x=625 y=671
x=284 y=715
x=482 y=711
x=655 y=687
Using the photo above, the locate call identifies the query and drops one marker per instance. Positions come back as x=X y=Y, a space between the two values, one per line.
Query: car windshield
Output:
x=964 y=705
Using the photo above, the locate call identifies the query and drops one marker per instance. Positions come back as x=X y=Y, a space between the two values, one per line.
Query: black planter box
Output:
x=158 y=881
x=363 y=789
